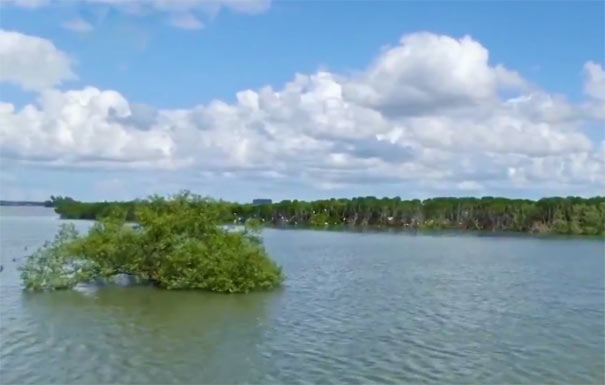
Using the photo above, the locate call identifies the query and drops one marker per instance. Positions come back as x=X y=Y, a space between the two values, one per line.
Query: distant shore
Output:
x=26 y=203
x=553 y=215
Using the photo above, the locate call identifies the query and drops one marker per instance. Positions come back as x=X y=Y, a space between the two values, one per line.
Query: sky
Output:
x=117 y=99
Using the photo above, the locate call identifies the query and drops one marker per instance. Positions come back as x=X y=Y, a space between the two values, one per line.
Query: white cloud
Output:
x=31 y=62
x=76 y=128
x=594 y=85
x=499 y=133
x=78 y=25
x=186 y=21
x=426 y=72
x=321 y=130
x=587 y=168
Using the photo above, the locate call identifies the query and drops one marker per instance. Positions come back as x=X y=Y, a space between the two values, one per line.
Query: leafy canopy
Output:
x=176 y=243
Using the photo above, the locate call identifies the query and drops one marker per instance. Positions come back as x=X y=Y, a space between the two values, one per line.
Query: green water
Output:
x=355 y=308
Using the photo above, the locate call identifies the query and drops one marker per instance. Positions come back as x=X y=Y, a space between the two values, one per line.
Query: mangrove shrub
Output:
x=175 y=243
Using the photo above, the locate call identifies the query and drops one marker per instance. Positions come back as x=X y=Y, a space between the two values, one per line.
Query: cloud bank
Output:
x=431 y=111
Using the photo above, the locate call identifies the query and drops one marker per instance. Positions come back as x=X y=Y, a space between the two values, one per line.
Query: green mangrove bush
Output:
x=175 y=243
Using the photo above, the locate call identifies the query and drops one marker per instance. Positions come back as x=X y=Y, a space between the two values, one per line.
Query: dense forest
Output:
x=570 y=215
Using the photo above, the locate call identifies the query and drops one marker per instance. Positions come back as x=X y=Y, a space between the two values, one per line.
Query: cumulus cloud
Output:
x=31 y=62
x=74 y=128
x=586 y=168
x=428 y=112
x=426 y=72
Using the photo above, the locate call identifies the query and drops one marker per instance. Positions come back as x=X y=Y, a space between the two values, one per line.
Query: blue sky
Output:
x=159 y=66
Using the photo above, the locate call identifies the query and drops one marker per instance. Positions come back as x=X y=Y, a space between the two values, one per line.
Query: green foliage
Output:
x=177 y=243
x=54 y=265
x=571 y=215
x=253 y=225
x=319 y=219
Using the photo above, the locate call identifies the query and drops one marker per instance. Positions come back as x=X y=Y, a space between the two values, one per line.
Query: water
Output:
x=356 y=308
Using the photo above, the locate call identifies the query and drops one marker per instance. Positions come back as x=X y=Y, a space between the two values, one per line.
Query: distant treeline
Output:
x=571 y=215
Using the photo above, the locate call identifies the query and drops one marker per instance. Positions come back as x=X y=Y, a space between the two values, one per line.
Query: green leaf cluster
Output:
x=176 y=243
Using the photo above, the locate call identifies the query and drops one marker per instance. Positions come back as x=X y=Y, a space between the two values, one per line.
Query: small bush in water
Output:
x=176 y=244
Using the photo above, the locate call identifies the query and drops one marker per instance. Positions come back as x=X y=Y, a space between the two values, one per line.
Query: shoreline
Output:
x=434 y=232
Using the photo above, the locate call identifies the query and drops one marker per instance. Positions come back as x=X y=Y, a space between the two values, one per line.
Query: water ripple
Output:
x=356 y=309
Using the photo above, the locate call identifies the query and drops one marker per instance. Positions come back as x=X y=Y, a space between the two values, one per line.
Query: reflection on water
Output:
x=356 y=308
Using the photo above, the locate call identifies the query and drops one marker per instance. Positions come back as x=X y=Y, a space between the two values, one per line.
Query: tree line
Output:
x=554 y=215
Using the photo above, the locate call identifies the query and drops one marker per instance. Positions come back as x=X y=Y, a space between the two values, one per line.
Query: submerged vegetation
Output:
x=571 y=215
x=176 y=243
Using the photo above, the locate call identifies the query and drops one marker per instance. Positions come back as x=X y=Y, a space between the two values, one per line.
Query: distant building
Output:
x=259 y=202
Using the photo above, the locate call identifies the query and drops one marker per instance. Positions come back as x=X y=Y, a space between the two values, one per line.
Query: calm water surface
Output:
x=356 y=308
